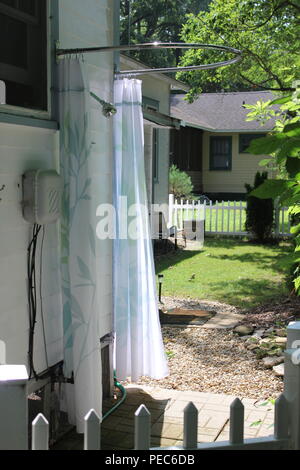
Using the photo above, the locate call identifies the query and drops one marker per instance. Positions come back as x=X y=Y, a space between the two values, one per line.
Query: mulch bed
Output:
x=283 y=311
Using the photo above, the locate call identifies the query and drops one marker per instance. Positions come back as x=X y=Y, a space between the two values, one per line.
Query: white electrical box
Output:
x=42 y=193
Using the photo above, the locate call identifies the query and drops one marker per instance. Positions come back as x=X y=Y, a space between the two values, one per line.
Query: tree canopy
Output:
x=267 y=31
x=156 y=20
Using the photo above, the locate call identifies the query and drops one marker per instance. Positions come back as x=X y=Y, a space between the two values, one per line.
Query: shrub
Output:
x=259 y=212
x=180 y=184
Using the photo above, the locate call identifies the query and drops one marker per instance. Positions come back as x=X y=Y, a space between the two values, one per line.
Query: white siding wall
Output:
x=24 y=148
x=159 y=90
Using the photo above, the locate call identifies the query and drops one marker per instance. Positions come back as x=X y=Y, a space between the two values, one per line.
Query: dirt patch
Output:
x=169 y=303
x=272 y=314
x=281 y=312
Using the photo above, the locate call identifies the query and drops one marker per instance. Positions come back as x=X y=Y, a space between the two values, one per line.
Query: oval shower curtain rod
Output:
x=160 y=45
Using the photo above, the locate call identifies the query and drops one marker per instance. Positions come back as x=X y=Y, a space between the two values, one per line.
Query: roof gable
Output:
x=221 y=112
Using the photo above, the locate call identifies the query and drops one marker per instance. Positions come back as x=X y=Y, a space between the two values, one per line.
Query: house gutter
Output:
x=223 y=131
x=160 y=119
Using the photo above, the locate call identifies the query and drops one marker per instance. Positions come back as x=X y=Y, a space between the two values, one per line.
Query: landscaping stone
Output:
x=280 y=340
x=270 y=361
x=279 y=370
x=252 y=347
x=281 y=332
x=259 y=333
x=256 y=337
x=223 y=320
x=266 y=341
x=269 y=331
x=243 y=330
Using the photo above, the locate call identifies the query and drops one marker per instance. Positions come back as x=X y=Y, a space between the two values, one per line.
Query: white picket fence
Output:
x=221 y=217
x=14 y=429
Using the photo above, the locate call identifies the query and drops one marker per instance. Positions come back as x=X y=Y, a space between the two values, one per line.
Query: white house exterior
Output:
x=30 y=139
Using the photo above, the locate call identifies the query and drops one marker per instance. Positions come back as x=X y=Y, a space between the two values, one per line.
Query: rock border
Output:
x=267 y=344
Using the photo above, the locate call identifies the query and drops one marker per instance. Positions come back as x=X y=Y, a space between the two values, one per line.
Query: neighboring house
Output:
x=30 y=139
x=156 y=90
x=212 y=141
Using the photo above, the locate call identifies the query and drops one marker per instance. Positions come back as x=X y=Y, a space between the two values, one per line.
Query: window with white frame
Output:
x=23 y=52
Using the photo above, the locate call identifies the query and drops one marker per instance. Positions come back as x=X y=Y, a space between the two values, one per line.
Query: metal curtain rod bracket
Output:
x=160 y=45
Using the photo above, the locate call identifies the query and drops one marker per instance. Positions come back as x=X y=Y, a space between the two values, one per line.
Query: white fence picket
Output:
x=236 y=429
x=181 y=214
x=223 y=212
x=241 y=217
x=190 y=427
x=92 y=431
x=40 y=433
x=142 y=421
x=198 y=211
x=234 y=217
x=228 y=218
x=286 y=414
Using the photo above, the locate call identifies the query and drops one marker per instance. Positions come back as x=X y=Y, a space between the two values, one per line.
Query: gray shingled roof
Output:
x=220 y=111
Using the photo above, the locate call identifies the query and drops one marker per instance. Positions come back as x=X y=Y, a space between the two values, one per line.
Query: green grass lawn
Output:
x=234 y=272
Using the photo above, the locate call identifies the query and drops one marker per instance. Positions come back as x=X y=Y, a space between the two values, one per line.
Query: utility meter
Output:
x=42 y=191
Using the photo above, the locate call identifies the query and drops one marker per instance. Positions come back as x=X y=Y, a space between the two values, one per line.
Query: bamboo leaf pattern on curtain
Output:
x=78 y=244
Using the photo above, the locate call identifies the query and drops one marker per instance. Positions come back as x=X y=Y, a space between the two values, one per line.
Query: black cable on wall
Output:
x=32 y=296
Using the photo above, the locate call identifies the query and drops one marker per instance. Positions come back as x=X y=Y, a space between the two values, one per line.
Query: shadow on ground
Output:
x=117 y=430
x=247 y=292
x=246 y=285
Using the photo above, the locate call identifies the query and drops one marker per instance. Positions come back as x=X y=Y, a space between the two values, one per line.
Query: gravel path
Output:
x=212 y=360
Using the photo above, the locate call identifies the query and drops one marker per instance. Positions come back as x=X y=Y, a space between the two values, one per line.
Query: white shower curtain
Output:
x=80 y=278
x=139 y=348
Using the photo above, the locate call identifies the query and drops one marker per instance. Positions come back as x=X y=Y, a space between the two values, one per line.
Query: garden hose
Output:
x=124 y=394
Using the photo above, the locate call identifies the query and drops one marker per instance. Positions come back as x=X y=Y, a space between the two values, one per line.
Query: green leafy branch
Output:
x=283 y=146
